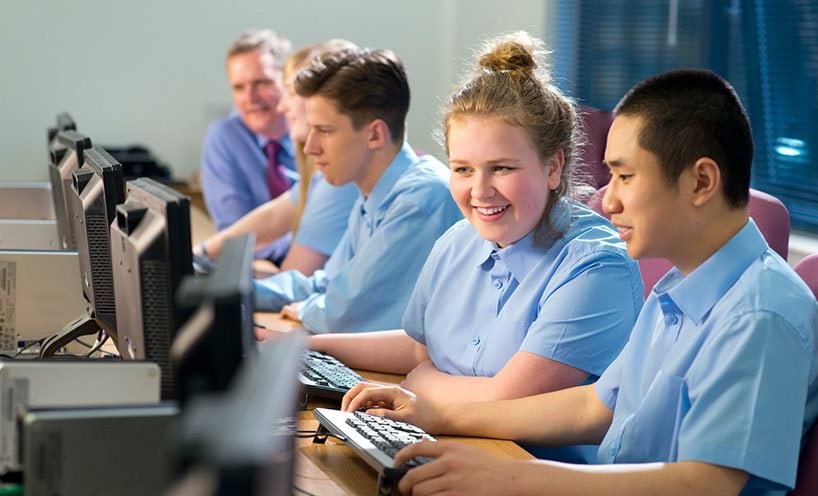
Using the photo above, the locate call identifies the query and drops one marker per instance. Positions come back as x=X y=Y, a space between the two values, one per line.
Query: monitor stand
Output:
x=81 y=326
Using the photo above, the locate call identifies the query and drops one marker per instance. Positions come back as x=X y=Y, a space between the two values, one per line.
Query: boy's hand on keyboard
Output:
x=456 y=468
x=392 y=402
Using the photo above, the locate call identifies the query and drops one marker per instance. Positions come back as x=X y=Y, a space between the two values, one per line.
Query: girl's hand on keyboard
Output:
x=392 y=402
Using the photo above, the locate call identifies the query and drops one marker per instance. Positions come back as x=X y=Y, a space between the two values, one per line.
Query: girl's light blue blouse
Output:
x=475 y=305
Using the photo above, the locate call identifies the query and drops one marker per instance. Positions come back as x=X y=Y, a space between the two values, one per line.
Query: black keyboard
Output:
x=375 y=439
x=326 y=377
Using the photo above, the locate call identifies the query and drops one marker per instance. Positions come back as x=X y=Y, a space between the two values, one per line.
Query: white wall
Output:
x=152 y=71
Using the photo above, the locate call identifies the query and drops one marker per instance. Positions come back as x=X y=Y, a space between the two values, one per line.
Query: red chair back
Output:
x=806 y=482
x=596 y=123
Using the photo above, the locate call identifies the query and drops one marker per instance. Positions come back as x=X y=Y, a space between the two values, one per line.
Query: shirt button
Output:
x=475 y=341
x=672 y=320
x=498 y=284
x=612 y=450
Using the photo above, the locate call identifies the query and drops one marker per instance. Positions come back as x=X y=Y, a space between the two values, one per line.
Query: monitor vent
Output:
x=99 y=249
x=158 y=320
x=71 y=242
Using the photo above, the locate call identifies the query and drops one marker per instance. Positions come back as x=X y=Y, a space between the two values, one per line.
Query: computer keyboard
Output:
x=326 y=377
x=375 y=439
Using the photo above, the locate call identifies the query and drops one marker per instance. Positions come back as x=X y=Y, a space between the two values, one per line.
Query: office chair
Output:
x=772 y=219
x=807 y=268
x=596 y=123
x=806 y=482
x=767 y=211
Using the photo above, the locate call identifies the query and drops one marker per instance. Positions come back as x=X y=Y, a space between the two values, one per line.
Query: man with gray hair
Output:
x=247 y=157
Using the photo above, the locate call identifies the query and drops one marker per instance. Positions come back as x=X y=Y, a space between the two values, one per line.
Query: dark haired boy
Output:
x=356 y=104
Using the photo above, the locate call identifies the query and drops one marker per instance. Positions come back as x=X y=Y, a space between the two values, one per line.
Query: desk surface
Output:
x=332 y=468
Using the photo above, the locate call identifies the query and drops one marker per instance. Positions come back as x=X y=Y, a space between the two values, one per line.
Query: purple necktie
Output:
x=277 y=181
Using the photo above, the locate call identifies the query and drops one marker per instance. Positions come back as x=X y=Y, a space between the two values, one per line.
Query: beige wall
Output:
x=152 y=71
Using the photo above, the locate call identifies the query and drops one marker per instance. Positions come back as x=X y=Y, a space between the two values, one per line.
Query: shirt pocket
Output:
x=651 y=434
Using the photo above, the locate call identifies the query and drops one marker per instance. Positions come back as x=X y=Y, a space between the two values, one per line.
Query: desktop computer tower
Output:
x=127 y=451
x=40 y=292
x=59 y=383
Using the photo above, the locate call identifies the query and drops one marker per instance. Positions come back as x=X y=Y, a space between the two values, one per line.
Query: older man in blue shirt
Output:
x=247 y=157
x=356 y=102
x=718 y=384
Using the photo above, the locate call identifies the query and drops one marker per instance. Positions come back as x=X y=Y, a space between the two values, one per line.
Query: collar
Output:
x=404 y=159
x=285 y=142
x=522 y=255
x=697 y=293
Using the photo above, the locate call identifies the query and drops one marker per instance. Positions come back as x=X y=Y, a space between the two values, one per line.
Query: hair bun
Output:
x=515 y=52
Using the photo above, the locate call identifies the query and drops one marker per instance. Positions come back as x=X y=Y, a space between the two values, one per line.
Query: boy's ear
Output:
x=378 y=134
x=707 y=181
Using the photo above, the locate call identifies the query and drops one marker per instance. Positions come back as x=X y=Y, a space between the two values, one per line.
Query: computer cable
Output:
x=100 y=342
x=24 y=348
x=305 y=433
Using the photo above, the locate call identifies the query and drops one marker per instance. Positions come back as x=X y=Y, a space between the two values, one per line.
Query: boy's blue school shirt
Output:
x=368 y=279
x=720 y=368
x=325 y=216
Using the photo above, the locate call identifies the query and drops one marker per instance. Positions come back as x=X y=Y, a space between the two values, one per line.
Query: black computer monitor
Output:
x=243 y=441
x=60 y=174
x=212 y=344
x=151 y=254
x=96 y=190
x=56 y=150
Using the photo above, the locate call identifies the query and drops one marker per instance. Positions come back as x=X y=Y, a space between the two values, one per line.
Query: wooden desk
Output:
x=334 y=469
x=274 y=321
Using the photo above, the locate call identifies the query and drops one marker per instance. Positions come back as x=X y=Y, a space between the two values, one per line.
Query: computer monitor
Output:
x=243 y=441
x=56 y=150
x=212 y=344
x=151 y=254
x=96 y=190
x=60 y=174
